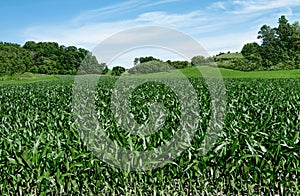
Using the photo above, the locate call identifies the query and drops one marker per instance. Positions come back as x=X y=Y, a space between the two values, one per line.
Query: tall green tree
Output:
x=267 y=34
x=250 y=49
x=275 y=46
x=295 y=37
x=118 y=70
x=284 y=30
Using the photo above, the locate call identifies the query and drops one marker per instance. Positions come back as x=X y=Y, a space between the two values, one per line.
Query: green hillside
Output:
x=226 y=73
x=229 y=56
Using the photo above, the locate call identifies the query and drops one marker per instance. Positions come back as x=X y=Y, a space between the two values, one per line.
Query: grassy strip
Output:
x=26 y=79
x=226 y=73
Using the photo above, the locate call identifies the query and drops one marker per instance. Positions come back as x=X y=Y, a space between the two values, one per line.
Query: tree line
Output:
x=279 y=49
x=150 y=64
x=47 y=58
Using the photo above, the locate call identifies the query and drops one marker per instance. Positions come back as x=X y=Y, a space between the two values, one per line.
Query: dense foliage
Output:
x=149 y=64
x=150 y=67
x=179 y=64
x=201 y=60
x=144 y=60
x=117 y=70
x=46 y=58
x=257 y=152
x=279 y=49
x=14 y=59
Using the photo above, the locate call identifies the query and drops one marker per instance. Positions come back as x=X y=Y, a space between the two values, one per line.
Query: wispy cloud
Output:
x=160 y=2
x=172 y=20
x=120 y=8
x=252 y=6
x=108 y=10
x=89 y=35
x=218 y=5
x=221 y=26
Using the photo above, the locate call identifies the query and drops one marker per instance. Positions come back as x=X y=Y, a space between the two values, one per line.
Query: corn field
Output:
x=257 y=153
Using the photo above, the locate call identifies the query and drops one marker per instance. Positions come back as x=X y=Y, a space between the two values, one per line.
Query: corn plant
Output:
x=257 y=153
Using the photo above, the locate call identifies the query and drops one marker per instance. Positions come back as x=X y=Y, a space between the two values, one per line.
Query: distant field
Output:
x=26 y=78
x=230 y=56
x=226 y=73
x=194 y=72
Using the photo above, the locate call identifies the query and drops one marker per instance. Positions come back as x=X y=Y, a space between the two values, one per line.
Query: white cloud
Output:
x=104 y=11
x=160 y=2
x=162 y=18
x=89 y=35
x=236 y=24
x=124 y=7
x=218 y=5
x=250 y=6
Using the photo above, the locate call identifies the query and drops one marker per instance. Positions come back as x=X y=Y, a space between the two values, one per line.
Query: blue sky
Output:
x=219 y=26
